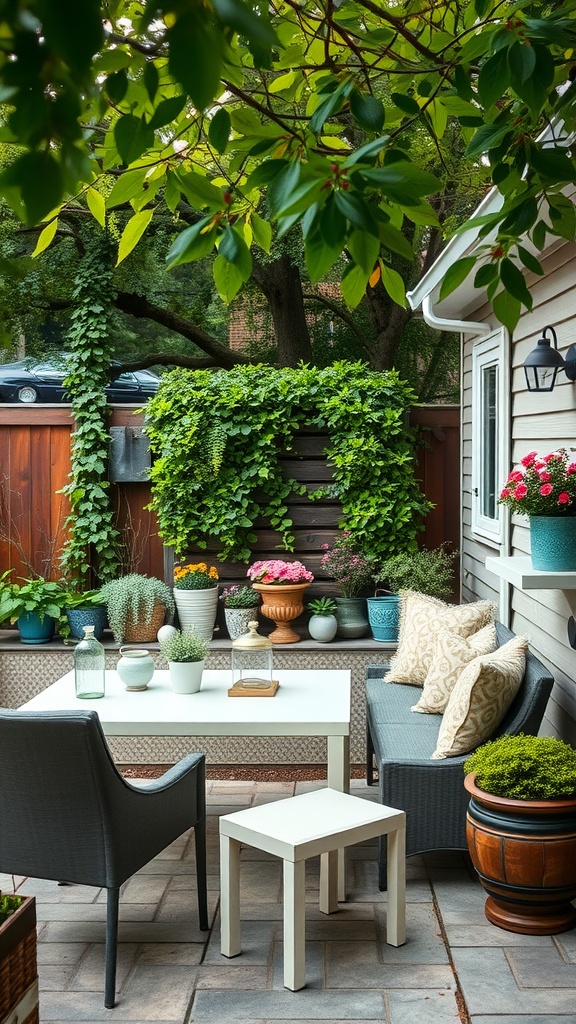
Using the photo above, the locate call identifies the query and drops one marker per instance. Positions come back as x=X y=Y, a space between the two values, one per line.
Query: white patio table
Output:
x=307 y=703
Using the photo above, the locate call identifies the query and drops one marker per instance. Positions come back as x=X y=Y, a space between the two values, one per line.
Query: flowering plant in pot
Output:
x=353 y=571
x=543 y=487
x=34 y=605
x=521 y=831
x=196 y=596
x=185 y=651
x=282 y=585
x=240 y=602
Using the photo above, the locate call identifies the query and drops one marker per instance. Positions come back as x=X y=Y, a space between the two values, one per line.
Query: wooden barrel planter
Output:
x=18 y=965
x=525 y=854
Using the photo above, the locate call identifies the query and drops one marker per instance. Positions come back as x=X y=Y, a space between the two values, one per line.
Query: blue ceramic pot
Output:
x=553 y=543
x=33 y=631
x=384 y=616
x=80 y=617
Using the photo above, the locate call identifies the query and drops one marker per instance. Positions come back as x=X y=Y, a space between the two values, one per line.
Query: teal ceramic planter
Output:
x=34 y=631
x=553 y=543
x=384 y=617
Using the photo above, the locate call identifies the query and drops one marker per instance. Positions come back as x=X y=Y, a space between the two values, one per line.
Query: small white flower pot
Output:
x=323 y=628
x=186 y=676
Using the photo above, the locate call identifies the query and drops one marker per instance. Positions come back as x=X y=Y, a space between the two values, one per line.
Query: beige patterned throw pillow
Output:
x=421 y=620
x=452 y=653
x=481 y=698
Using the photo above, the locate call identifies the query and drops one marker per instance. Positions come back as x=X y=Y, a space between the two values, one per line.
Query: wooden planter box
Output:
x=18 y=966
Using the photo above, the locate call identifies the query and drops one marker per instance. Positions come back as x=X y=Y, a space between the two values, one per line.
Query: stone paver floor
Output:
x=454 y=967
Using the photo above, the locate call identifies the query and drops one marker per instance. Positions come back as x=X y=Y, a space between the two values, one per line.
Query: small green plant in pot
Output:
x=427 y=571
x=185 y=653
x=240 y=604
x=136 y=607
x=34 y=605
x=323 y=623
x=83 y=608
x=8 y=904
x=521 y=831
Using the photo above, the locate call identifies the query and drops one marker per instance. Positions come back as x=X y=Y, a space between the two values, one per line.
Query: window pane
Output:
x=489 y=482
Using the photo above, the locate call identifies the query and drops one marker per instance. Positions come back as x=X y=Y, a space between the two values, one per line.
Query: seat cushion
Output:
x=481 y=698
x=452 y=653
x=421 y=620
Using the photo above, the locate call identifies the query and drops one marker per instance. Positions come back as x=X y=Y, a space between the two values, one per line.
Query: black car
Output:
x=27 y=381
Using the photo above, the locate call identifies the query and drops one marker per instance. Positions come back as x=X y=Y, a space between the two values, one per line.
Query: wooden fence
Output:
x=35 y=463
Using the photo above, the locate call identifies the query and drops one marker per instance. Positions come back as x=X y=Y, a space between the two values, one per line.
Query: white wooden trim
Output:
x=490 y=351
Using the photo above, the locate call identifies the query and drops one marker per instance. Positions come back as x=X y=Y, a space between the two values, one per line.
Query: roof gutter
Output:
x=456 y=326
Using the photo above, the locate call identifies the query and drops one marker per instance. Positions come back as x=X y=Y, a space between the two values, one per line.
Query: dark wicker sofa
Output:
x=400 y=744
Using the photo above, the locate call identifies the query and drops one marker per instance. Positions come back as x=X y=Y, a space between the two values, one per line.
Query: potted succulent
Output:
x=282 y=585
x=84 y=608
x=18 y=960
x=196 y=596
x=426 y=570
x=521 y=831
x=185 y=652
x=353 y=571
x=136 y=606
x=323 y=624
x=240 y=603
x=34 y=605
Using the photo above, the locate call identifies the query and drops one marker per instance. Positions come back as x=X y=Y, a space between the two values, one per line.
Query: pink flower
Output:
x=546 y=489
x=571 y=468
x=505 y=493
x=520 y=492
x=552 y=456
x=528 y=459
x=544 y=476
x=515 y=476
x=564 y=498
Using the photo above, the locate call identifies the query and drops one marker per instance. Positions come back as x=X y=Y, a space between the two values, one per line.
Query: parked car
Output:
x=27 y=381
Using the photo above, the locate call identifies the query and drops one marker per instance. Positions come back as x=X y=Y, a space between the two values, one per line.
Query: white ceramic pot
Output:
x=135 y=668
x=186 y=676
x=197 y=608
x=323 y=628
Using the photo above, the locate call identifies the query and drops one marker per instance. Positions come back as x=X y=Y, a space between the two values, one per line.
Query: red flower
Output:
x=571 y=468
x=564 y=498
x=528 y=459
x=520 y=492
x=505 y=493
x=515 y=476
x=544 y=476
x=546 y=489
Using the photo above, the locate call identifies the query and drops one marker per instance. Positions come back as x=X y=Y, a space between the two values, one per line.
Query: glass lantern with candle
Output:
x=252 y=661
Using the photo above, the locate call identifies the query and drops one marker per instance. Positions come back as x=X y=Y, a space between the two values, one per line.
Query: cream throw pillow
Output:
x=481 y=698
x=421 y=620
x=452 y=653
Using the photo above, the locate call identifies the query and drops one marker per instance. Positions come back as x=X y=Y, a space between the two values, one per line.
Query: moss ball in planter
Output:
x=525 y=767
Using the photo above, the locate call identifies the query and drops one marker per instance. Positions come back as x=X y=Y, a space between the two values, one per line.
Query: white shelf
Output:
x=518 y=571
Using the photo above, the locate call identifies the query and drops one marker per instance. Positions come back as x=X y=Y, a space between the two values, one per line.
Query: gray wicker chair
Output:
x=67 y=814
x=400 y=743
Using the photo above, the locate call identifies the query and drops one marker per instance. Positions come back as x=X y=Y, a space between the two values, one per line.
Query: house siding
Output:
x=540 y=422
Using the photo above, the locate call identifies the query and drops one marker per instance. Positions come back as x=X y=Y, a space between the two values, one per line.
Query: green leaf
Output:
x=151 y=80
x=132 y=233
x=485 y=274
x=199 y=191
x=357 y=211
x=167 y=111
x=521 y=218
x=394 y=285
x=196 y=56
x=266 y=172
x=395 y=241
x=132 y=137
x=262 y=231
x=116 y=85
x=191 y=244
x=553 y=164
x=282 y=188
x=534 y=90
x=97 y=206
x=171 y=192
x=529 y=260
x=39 y=178
x=364 y=249
x=240 y=17
x=45 y=237
x=456 y=274
x=219 y=130
x=234 y=249
x=407 y=104
x=368 y=151
x=488 y=137
x=368 y=110
x=320 y=257
x=514 y=283
x=331 y=105
x=128 y=185
x=353 y=284
x=507 y=309
x=522 y=60
x=404 y=182
x=494 y=78
x=227 y=278
x=332 y=224
x=73 y=31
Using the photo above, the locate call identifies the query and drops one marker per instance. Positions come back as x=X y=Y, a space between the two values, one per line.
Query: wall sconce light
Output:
x=543 y=363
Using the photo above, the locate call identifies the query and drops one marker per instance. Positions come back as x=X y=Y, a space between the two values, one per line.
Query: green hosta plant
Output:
x=184 y=645
x=8 y=905
x=32 y=595
x=525 y=767
x=134 y=596
x=428 y=571
x=322 y=606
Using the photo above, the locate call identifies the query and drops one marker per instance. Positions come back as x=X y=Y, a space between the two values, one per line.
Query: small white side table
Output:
x=321 y=822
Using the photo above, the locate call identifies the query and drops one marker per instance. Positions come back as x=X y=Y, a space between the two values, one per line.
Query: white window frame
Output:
x=490 y=352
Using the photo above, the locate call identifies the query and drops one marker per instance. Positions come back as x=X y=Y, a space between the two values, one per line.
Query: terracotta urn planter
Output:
x=282 y=604
x=525 y=854
x=18 y=965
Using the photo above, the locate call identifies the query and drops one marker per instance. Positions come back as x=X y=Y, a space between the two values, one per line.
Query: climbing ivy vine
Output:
x=217 y=437
x=93 y=540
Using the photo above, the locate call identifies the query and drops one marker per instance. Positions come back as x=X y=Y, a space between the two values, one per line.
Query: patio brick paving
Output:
x=170 y=971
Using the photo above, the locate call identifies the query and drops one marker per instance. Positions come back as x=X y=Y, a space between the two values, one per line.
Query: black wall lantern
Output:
x=543 y=363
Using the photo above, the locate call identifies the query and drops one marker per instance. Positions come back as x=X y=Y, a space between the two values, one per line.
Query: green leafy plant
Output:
x=345 y=563
x=217 y=437
x=428 y=571
x=8 y=905
x=135 y=596
x=84 y=599
x=32 y=595
x=240 y=596
x=184 y=645
x=322 y=606
x=525 y=767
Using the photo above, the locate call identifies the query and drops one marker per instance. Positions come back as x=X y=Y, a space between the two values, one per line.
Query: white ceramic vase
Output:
x=323 y=628
x=197 y=608
x=186 y=676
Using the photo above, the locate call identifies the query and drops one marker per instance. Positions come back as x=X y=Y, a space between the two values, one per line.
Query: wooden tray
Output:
x=238 y=690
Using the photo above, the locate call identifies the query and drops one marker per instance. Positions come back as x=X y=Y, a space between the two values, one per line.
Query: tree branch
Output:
x=337 y=310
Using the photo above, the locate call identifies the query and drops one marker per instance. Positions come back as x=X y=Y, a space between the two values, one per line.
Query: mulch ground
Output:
x=244 y=772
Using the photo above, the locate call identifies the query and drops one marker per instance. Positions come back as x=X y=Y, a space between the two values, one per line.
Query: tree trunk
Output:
x=281 y=285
